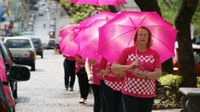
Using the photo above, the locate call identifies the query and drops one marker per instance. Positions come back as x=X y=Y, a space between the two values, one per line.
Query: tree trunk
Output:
x=186 y=61
x=145 y=5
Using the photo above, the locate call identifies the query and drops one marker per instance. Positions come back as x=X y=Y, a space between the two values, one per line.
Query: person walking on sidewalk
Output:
x=140 y=66
x=112 y=88
x=92 y=69
x=69 y=70
x=82 y=79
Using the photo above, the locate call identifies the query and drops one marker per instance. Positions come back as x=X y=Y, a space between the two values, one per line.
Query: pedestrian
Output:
x=44 y=25
x=82 y=79
x=140 y=66
x=92 y=70
x=69 y=71
x=112 y=88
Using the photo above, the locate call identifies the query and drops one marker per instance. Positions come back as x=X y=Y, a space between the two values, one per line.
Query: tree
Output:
x=145 y=5
x=185 y=55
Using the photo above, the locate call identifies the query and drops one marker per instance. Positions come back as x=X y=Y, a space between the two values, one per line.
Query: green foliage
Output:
x=196 y=21
x=170 y=80
x=198 y=82
x=170 y=83
x=80 y=12
x=169 y=10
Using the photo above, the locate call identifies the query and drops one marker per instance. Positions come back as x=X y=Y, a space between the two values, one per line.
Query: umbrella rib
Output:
x=130 y=19
x=161 y=42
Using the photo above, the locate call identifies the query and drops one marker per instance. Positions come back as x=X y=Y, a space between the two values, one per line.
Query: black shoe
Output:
x=71 y=89
x=66 y=87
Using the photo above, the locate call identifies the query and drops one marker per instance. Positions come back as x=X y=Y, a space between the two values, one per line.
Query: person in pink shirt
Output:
x=82 y=79
x=92 y=70
x=112 y=87
x=140 y=66
x=69 y=70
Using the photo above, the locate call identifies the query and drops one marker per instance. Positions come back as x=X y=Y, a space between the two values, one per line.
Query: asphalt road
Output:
x=45 y=91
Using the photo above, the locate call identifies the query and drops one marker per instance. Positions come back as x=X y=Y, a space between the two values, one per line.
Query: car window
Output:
x=52 y=42
x=18 y=43
x=36 y=41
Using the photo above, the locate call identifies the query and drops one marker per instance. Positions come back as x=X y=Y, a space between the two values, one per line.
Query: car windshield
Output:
x=52 y=42
x=18 y=43
x=36 y=41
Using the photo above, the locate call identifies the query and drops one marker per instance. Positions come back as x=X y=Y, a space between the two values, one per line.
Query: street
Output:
x=45 y=91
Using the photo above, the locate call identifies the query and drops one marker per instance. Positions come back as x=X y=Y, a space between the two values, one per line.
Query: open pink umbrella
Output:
x=118 y=34
x=67 y=44
x=66 y=29
x=99 y=2
x=88 y=37
x=105 y=15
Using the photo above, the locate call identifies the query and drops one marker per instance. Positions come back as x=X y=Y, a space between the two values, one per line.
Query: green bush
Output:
x=170 y=80
x=198 y=82
x=170 y=85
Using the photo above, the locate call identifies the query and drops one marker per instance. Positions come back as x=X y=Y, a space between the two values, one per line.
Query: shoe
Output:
x=71 y=89
x=83 y=101
x=66 y=87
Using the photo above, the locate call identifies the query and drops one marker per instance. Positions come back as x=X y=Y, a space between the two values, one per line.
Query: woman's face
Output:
x=142 y=37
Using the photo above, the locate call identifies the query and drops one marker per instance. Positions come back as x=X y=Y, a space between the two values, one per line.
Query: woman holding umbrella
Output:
x=112 y=87
x=140 y=65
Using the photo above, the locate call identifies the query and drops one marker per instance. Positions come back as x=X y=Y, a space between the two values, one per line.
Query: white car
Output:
x=22 y=49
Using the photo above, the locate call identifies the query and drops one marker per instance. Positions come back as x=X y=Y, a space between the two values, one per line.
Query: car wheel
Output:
x=15 y=92
x=33 y=67
x=42 y=56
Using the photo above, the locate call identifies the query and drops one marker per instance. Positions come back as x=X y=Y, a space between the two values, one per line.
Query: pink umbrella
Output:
x=67 y=44
x=66 y=29
x=101 y=15
x=118 y=34
x=99 y=2
x=88 y=38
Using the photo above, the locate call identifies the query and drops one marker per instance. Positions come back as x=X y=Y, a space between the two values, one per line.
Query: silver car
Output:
x=22 y=49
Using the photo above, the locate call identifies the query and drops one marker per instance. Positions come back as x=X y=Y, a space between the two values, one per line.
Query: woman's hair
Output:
x=149 y=43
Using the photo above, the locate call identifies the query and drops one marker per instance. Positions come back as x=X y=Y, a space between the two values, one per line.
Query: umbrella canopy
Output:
x=67 y=44
x=88 y=37
x=99 y=2
x=66 y=29
x=105 y=15
x=118 y=34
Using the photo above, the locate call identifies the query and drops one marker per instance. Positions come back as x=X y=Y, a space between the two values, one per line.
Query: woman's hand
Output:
x=139 y=73
x=90 y=77
x=119 y=75
x=134 y=64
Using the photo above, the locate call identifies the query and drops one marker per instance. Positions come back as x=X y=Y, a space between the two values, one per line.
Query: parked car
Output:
x=22 y=49
x=14 y=73
x=40 y=13
x=8 y=60
x=38 y=46
x=51 y=44
x=196 y=51
x=52 y=34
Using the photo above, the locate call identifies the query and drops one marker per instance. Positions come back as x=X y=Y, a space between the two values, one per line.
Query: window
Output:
x=18 y=43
